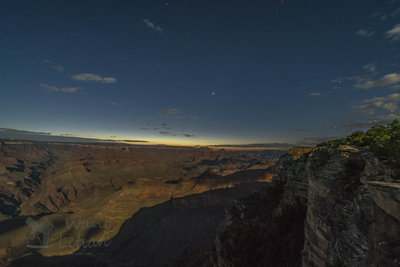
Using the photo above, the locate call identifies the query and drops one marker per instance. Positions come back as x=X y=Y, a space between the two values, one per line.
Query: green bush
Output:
x=383 y=141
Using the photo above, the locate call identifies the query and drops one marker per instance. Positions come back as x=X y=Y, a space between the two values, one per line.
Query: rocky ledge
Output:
x=328 y=207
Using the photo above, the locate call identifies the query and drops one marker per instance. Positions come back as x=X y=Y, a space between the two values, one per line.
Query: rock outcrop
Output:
x=353 y=210
x=346 y=202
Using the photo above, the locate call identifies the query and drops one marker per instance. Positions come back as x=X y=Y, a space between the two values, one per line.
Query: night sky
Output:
x=199 y=72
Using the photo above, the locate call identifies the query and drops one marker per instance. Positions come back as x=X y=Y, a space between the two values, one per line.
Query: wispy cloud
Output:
x=168 y=112
x=394 y=33
x=165 y=126
x=371 y=67
x=57 y=67
x=91 y=77
x=386 y=104
x=69 y=89
x=387 y=80
x=167 y=133
x=56 y=89
x=152 y=26
x=375 y=111
x=171 y=113
x=365 y=33
x=188 y=135
x=156 y=127
x=314 y=94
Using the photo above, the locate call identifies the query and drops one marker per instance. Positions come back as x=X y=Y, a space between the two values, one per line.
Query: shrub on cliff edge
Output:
x=383 y=141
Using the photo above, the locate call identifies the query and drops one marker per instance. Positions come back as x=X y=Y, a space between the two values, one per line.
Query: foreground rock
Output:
x=347 y=201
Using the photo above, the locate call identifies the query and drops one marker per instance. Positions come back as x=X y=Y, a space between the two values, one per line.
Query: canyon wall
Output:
x=327 y=207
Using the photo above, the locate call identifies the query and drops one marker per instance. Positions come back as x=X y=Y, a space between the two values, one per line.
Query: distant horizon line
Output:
x=10 y=134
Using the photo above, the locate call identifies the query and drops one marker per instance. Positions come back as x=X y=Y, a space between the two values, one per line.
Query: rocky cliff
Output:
x=353 y=213
x=328 y=207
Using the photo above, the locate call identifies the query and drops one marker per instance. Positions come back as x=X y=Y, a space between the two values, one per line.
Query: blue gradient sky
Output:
x=206 y=72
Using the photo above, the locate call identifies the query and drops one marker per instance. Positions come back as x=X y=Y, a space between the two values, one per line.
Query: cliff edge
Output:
x=331 y=206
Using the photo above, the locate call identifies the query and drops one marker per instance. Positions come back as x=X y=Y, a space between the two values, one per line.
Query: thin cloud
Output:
x=91 y=77
x=109 y=80
x=394 y=33
x=314 y=94
x=69 y=89
x=49 y=87
x=387 y=80
x=168 y=112
x=386 y=104
x=57 y=67
x=364 y=33
x=165 y=126
x=152 y=26
x=56 y=89
x=167 y=133
x=371 y=67
x=172 y=113
x=188 y=135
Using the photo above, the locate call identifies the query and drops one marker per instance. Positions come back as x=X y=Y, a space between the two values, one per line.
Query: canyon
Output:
x=106 y=184
x=318 y=206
